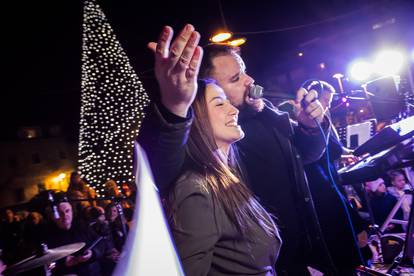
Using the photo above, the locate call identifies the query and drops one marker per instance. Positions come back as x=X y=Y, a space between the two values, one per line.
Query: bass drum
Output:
x=391 y=246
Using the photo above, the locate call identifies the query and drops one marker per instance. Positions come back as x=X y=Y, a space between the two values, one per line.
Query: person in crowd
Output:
x=397 y=190
x=116 y=226
x=129 y=190
x=273 y=151
x=336 y=217
x=11 y=232
x=77 y=184
x=111 y=189
x=33 y=227
x=67 y=230
x=99 y=224
x=78 y=191
x=382 y=203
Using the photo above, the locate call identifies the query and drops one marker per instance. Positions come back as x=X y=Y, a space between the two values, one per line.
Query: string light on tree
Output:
x=112 y=104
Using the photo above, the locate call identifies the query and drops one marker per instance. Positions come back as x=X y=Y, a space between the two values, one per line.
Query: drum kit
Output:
x=45 y=257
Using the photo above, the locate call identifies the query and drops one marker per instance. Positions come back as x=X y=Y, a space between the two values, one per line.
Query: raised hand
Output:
x=308 y=109
x=176 y=67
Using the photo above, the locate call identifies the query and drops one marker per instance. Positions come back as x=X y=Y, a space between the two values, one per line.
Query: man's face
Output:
x=382 y=188
x=230 y=73
x=65 y=216
x=9 y=215
x=398 y=182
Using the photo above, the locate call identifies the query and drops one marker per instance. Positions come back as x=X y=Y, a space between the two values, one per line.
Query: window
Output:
x=29 y=132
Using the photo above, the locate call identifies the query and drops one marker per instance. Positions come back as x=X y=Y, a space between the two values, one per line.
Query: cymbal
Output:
x=50 y=256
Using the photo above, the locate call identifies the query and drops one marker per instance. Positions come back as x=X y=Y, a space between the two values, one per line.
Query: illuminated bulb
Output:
x=237 y=42
x=220 y=37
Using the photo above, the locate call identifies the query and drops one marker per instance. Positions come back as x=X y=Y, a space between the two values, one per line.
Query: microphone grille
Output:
x=255 y=91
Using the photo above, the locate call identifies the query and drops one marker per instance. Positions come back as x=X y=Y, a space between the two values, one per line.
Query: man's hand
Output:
x=114 y=255
x=256 y=104
x=176 y=67
x=362 y=239
x=308 y=108
x=75 y=260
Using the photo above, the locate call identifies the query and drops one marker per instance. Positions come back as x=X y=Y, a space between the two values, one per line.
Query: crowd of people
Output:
x=76 y=215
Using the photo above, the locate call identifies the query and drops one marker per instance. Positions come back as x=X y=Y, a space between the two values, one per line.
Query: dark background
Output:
x=42 y=56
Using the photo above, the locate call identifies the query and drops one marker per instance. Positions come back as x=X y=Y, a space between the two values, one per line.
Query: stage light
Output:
x=300 y=54
x=388 y=62
x=360 y=70
x=344 y=100
x=237 y=42
x=220 y=37
x=322 y=65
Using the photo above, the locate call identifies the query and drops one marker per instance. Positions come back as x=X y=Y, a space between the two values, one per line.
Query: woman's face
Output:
x=223 y=117
x=114 y=213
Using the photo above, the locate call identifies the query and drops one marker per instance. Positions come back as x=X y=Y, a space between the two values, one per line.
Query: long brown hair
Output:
x=223 y=181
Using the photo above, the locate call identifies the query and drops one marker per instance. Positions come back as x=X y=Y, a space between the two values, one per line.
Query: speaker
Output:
x=386 y=100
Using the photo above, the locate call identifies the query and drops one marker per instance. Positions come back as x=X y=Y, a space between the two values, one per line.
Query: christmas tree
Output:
x=112 y=104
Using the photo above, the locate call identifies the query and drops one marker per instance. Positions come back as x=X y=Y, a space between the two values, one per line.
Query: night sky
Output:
x=42 y=39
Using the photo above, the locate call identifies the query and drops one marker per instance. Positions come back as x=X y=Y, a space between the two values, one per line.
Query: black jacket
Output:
x=336 y=216
x=273 y=152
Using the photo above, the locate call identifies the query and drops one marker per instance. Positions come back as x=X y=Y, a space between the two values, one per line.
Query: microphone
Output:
x=256 y=92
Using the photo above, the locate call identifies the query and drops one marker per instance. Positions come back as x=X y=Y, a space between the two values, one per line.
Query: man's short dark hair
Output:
x=210 y=52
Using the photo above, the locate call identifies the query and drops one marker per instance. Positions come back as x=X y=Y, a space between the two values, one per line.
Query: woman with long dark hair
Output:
x=218 y=226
